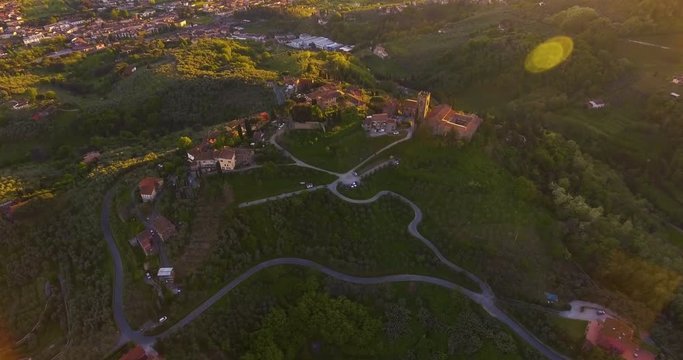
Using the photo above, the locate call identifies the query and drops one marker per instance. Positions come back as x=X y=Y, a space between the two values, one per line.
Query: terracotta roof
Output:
x=199 y=153
x=91 y=157
x=443 y=116
x=148 y=185
x=439 y=112
x=390 y=107
x=145 y=240
x=409 y=106
x=163 y=227
x=380 y=117
x=243 y=156
x=225 y=153
x=137 y=353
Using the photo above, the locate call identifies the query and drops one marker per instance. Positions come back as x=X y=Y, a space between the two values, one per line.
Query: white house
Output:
x=149 y=188
x=166 y=274
x=595 y=104
x=226 y=159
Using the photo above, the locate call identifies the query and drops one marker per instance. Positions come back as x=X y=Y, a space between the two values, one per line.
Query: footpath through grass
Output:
x=269 y=180
x=339 y=149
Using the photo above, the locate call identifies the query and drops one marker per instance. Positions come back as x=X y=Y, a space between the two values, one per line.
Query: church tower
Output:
x=423 y=98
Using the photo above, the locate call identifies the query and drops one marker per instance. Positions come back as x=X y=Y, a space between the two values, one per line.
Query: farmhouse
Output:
x=403 y=110
x=146 y=241
x=207 y=161
x=379 y=124
x=149 y=187
x=162 y=227
x=443 y=119
x=226 y=159
x=325 y=96
x=380 y=52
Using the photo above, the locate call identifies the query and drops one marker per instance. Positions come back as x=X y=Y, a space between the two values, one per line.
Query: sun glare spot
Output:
x=549 y=54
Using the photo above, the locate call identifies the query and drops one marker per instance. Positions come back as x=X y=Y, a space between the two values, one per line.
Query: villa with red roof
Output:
x=443 y=119
x=149 y=187
x=146 y=241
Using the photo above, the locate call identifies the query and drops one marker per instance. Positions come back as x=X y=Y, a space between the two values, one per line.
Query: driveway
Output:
x=583 y=310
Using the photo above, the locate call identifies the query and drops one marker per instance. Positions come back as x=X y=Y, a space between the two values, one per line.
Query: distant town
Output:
x=108 y=22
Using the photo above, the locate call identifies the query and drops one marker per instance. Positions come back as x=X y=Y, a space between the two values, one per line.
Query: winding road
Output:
x=486 y=298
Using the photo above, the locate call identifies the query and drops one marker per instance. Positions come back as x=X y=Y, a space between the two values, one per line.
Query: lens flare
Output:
x=549 y=54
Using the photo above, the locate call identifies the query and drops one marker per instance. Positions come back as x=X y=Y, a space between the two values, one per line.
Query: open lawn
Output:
x=655 y=66
x=479 y=215
x=339 y=149
x=269 y=181
x=406 y=53
x=36 y=9
x=283 y=62
x=575 y=330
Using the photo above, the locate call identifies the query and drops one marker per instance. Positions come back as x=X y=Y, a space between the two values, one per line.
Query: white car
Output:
x=163 y=319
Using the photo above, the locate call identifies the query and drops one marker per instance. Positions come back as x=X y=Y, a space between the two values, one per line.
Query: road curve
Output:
x=412 y=229
x=486 y=299
x=376 y=280
x=127 y=332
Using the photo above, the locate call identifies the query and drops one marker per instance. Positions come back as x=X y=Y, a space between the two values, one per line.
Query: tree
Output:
x=32 y=93
x=184 y=142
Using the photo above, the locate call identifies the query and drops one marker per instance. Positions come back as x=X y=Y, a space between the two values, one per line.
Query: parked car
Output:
x=163 y=319
x=600 y=312
x=309 y=186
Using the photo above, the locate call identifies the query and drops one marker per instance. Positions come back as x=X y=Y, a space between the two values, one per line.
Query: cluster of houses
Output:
x=394 y=113
x=207 y=158
x=442 y=119
x=86 y=34
x=325 y=96
x=158 y=229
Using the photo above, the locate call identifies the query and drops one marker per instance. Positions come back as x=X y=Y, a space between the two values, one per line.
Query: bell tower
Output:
x=423 y=98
